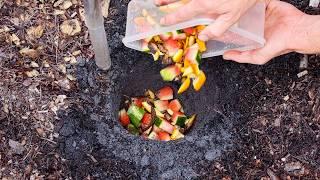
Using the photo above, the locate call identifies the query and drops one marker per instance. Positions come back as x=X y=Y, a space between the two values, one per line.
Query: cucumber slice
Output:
x=153 y=136
x=136 y=114
x=176 y=134
x=133 y=130
x=181 y=121
x=164 y=125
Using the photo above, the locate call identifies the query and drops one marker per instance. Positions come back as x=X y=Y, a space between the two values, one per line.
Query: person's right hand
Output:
x=287 y=29
x=226 y=13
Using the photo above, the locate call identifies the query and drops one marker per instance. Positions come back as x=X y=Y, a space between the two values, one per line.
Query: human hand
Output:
x=286 y=30
x=226 y=13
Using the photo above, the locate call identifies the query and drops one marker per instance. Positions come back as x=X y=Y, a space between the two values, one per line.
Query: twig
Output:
x=53 y=142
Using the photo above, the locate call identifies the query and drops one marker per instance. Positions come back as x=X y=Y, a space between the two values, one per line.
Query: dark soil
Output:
x=247 y=127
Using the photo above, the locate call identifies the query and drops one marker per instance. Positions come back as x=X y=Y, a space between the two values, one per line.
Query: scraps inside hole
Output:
x=156 y=116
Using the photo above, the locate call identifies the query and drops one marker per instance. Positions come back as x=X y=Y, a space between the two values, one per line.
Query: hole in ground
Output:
x=209 y=137
x=186 y=158
x=156 y=115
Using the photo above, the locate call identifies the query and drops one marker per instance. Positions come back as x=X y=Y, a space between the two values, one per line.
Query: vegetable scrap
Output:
x=181 y=50
x=156 y=116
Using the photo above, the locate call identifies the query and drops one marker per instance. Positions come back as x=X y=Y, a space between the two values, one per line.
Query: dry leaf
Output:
x=33 y=73
x=67 y=59
x=35 y=32
x=60 y=99
x=70 y=27
x=105 y=8
x=73 y=60
x=64 y=84
x=45 y=64
x=4 y=28
x=29 y=53
x=14 y=38
x=63 y=68
x=53 y=107
x=1 y=3
x=66 y=5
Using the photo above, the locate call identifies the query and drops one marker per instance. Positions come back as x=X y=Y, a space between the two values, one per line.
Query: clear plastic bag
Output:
x=247 y=34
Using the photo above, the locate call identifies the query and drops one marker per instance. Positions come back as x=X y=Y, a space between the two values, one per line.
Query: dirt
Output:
x=254 y=121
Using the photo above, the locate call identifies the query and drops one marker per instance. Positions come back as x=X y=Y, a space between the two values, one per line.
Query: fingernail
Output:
x=203 y=37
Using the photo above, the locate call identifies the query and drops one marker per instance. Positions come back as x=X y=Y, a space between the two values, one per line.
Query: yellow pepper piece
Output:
x=157 y=39
x=176 y=134
x=199 y=81
x=179 y=65
x=178 y=56
x=187 y=71
x=192 y=40
x=156 y=56
x=200 y=28
x=185 y=85
x=186 y=63
x=202 y=45
x=186 y=43
x=195 y=68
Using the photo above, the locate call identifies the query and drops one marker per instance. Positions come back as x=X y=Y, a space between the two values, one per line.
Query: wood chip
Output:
x=34 y=64
x=45 y=64
x=70 y=27
x=1 y=3
x=67 y=59
x=66 y=5
x=58 y=12
x=105 y=8
x=41 y=132
x=314 y=3
x=56 y=4
x=303 y=73
x=304 y=62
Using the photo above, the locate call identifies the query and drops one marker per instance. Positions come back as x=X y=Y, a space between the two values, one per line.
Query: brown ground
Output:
x=279 y=134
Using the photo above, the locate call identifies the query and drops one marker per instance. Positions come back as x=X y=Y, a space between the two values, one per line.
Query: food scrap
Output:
x=156 y=116
x=181 y=50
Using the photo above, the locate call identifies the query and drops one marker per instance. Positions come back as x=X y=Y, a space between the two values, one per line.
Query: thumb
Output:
x=220 y=26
